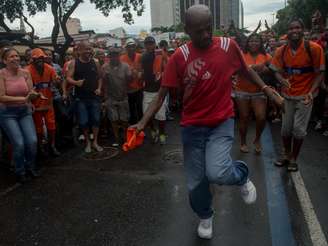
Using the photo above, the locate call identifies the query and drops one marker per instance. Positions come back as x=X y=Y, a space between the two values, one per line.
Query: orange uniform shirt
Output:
x=296 y=67
x=243 y=84
x=43 y=83
x=136 y=84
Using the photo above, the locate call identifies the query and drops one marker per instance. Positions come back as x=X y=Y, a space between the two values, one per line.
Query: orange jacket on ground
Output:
x=135 y=64
x=243 y=84
x=298 y=67
x=43 y=83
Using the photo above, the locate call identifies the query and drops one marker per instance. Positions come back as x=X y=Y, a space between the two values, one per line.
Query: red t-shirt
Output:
x=205 y=78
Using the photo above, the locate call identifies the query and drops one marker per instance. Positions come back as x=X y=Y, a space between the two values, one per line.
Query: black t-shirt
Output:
x=147 y=63
x=89 y=72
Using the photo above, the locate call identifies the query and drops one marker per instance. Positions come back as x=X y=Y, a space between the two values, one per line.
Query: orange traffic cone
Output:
x=133 y=139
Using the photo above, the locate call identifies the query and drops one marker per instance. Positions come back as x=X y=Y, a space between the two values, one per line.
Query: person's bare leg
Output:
x=259 y=106
x=125 y=126
x=52 y=138
x=116 y=132
x=243 y=106
x=87 y=140
x=297 y=144
x=95 y=145
x=287 y=142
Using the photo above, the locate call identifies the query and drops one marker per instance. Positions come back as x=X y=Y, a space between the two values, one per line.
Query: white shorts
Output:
x=147 y=99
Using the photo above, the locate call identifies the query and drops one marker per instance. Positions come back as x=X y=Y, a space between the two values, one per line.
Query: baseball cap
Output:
x=130 y=41
x=150 y=39
x=38 y=53
x=171 y=49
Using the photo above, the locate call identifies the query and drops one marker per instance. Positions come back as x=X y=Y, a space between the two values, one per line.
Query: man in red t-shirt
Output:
x=203 y=69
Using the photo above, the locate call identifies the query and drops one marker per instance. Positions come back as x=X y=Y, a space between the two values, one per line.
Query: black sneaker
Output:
x=33 y=174
x=21 y=179
x=54 y=151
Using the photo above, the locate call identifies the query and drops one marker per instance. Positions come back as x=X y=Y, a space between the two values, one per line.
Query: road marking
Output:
x=317 y=236
x=10 y=189
x=280 y=225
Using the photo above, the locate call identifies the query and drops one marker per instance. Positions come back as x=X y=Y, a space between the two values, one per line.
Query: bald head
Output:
x=84 y=44
x=198 y=25
x=85 y=51
x=197 y=13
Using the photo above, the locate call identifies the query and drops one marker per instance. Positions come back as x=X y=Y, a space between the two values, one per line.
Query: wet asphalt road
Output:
x=140 y=199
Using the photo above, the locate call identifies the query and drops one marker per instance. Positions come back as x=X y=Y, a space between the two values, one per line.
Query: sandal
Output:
x=292 y=167
x=281 y=163
x=258 y=148
x=244 y=149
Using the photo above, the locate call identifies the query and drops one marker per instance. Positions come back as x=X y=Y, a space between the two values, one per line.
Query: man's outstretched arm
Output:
x=271 y=93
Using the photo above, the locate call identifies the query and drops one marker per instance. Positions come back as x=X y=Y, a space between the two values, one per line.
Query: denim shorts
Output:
x=88 y=111
x=249 y=96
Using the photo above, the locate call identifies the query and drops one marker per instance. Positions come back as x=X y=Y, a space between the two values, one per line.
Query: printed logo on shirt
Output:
x=193 y=71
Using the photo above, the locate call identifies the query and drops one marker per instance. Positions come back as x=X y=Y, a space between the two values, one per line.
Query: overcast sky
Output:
x=93 y=19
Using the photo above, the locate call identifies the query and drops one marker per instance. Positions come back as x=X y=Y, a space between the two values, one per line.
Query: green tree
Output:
x=303 y=9
x=61 y=11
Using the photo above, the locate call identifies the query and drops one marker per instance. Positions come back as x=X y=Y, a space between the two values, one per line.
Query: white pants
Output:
x=147 y=99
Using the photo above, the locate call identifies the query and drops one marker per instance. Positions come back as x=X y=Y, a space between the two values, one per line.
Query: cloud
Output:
x=263 y=8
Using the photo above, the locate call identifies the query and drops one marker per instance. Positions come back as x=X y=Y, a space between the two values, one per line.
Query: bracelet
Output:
x=263 y=87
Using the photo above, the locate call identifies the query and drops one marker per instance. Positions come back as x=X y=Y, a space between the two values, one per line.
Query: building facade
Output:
x=171 y=12
x=73 y=26
x=214 y=6
x=232 y=10
x=165 y=13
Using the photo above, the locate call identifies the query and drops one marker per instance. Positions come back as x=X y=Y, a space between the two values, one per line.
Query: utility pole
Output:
x=285 y=3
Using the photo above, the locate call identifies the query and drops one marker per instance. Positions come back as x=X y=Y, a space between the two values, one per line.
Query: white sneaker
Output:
x=318 y=126
x=248 y=192
x=325 y=133
x=81 y=137
x=205 y=228
x=88 y=148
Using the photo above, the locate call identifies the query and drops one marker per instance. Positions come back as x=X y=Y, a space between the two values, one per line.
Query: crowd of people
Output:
x=41 y=101
x=208 y=78
x=98 y=85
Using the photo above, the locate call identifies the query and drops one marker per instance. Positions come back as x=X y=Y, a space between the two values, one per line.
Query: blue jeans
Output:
x=207 y=160
x=88 y=111
x=18 y=125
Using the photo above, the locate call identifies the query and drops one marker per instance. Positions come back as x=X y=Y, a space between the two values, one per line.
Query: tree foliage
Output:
x=61 y=11
x=303 y=9
x=174 y=28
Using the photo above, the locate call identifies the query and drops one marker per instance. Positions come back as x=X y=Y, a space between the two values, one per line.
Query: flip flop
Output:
x=244 y=149
x=258 y=148
x=281 y=163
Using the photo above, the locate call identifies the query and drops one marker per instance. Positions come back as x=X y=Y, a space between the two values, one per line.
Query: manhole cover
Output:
x=174 y=157
x=108 y=153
